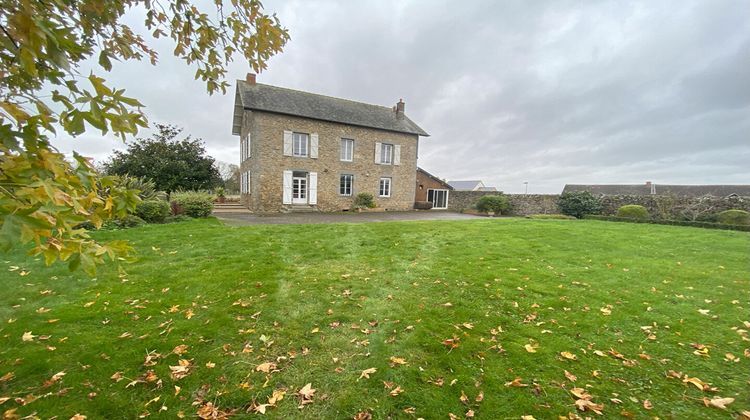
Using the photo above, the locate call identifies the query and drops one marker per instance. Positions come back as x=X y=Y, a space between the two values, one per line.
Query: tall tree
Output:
x=171 y=163
x=42 y=44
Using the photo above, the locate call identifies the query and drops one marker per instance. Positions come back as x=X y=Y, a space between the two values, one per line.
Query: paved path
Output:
x=244 y=219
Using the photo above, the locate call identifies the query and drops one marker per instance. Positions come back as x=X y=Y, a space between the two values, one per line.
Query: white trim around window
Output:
x=386 y=154
x=346 y=185
x=384 y=188
x=347 y=150
x=300 y=144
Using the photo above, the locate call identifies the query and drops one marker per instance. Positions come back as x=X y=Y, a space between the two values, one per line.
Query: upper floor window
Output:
x=299 y=144
x=386 y=153
x=245 y=147
x=347 y=150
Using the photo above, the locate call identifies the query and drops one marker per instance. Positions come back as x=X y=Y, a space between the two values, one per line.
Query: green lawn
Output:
x=637 y=306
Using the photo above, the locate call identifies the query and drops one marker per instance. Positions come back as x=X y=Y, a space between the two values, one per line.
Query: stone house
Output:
x=432 y=189
x=301 y=151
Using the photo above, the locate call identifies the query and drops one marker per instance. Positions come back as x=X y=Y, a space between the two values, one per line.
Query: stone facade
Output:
x=267 y=163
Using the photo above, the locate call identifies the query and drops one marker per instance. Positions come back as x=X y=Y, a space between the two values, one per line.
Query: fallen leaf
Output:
x=570 y=376
x=396 y=391
x=27 y=336
x=366 y=373
x=568 y=355
x=266 y=367
x=531 y=348
x=517 y=382
x=397 y=361
x=306 y=394
x=718 y=402
x=647 y=405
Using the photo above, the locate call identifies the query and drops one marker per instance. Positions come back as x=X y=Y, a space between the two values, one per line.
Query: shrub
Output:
x=734 y=217
x=633 y=211
x=128 y=221
x=422 y=205
x=364 y=201
x=495 y=203
x=579 y=204
x=146 y=188
x=178 y=218
x=152 y=211
x=192 y=203
x=707 y=225
x=550 y=217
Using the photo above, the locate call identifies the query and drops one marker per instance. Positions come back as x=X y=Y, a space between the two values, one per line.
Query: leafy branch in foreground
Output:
x=43 y=195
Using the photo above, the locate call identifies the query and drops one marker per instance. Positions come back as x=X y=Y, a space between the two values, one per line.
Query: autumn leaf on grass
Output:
x=584 y=402
x=28 y=336
x=451 y=343
x=698 y=383
x=647 y=405
x=568 y=355
x=56 y=377
x=181 y=370
x=266 y=367
x=78 y=416
x=366 y=373
x=209 y=412
x=396 y=391
x=480 y=397
x=718 y=402
x=397 y=361
x=518 y=382
x=570 y=376
x=531 y=347
x=7 y=377
x=180 y=350
x=306 y=395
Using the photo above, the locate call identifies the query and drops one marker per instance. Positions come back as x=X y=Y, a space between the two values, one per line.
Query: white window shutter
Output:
x=288 y=145
x=313 y=191
x=314 y=145
x=397 y=154
x=377 y=152
x=287 y=187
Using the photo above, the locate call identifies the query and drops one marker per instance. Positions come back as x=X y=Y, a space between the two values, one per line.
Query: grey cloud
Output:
x=547 y=92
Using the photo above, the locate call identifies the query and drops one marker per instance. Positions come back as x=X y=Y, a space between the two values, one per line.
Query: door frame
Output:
x=306 y=191
x=447 y=193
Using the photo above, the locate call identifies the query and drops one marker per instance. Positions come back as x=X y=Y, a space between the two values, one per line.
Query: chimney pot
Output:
x=648 y=183
x=250 y=78
x=400 y=106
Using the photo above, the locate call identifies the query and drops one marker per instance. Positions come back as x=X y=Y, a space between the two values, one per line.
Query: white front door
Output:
x=299 y=190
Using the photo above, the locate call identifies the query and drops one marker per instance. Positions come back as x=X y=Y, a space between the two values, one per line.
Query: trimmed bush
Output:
x=128 y=221
x=422 y=205
x=176 y=219
x=364 y=201
x=192 y=203
x=579 y=204
x=152 y=211
x=495 y=203
x=734 y=217
x=633 y=211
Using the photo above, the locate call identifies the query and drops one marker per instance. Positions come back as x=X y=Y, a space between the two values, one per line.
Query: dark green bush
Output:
x=176 y=219
x=633 y=211
x=579 y=204
x=364 y=201
x=734 y=217
x=192 y=203
x=128 y=221
x=707 y=225
x=495 y=203
x=152 y=211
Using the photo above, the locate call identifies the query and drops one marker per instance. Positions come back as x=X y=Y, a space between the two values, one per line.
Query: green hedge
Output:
x=496 y=203
x=707 y=225
x=192 y=203
x=152 y=211
x=734 y=217
x=632 y=211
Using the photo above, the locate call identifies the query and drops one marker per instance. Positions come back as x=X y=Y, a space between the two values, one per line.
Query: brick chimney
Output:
x=400 y=107
x=652 y=187
x=250 y=78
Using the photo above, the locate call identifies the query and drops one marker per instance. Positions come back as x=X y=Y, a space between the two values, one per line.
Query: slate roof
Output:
x=429 y=175
x=466 y=185
x=662 y=189
x=262 y=97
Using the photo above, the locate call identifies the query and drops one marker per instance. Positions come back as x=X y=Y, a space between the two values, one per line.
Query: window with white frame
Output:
x=299 y=144
x=345 y=185
x=245 y=183
x=385 y=187
x=347 y=150
x=386 y=154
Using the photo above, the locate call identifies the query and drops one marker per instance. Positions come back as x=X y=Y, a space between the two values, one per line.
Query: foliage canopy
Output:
x=43 y=93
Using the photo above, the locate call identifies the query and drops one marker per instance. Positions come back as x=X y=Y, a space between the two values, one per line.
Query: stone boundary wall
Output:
x=658 y=206
x=521 y=204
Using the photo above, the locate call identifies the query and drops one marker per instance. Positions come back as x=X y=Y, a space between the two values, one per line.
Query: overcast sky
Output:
x=548 y=92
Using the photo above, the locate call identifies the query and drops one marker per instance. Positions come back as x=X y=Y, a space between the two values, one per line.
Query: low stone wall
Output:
x=674 y=208
x=521 y=204
x=658 y=206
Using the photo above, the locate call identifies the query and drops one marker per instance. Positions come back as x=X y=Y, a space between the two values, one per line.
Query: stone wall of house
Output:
x=521 y=204
x=659 y=207
x=267 y=163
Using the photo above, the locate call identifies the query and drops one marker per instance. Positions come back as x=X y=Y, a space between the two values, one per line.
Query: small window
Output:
x=300 y=142
x=245 y=148
x=385 y=187
x=386 y=154
x=347 y=150
x=345 y=186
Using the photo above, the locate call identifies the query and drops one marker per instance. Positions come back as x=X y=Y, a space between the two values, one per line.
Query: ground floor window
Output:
x=438 y=198
x=385 y=187
x=245 y=183
x=345 y=184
